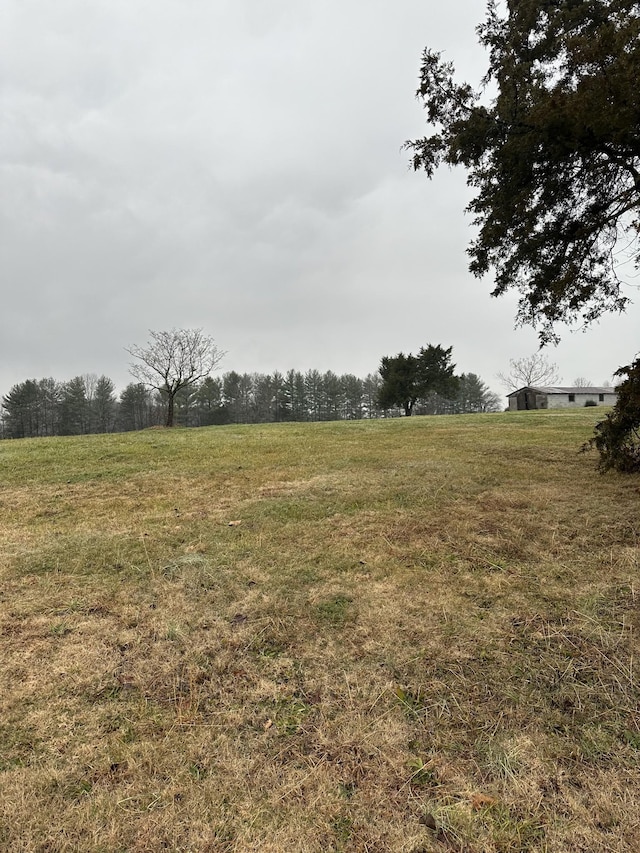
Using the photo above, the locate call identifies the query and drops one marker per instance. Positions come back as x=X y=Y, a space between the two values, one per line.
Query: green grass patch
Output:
x=412 y=635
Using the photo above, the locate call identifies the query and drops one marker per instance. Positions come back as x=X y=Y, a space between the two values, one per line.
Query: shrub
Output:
x=590 y=403
x=617 y=437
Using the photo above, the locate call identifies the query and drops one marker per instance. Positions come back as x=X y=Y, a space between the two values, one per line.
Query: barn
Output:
x=556 y=397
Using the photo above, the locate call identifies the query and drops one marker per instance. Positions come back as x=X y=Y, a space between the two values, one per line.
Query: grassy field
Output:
x=409 y=636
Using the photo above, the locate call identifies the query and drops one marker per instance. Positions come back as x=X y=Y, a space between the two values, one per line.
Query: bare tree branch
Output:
x=174 y=360
x=530 y=371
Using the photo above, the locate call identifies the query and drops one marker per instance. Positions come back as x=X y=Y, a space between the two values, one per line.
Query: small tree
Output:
x=532 y=370
x=174 y=360
x=617 y=437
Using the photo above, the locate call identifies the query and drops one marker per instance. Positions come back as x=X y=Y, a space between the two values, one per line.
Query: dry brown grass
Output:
x=416 y=636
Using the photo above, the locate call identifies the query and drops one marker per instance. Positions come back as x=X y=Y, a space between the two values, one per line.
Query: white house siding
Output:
x=562 y=401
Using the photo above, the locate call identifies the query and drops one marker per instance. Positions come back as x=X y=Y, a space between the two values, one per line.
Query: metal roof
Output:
x=564 y=389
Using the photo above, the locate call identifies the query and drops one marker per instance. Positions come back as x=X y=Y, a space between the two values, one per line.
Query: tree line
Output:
x=89 y=403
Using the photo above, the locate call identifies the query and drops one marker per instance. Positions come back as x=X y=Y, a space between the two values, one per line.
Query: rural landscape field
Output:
x=408 y=635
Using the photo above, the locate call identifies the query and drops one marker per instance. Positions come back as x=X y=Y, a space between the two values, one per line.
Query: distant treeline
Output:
x=89 y=404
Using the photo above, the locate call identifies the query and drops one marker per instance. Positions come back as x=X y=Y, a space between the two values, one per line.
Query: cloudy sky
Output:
x=236 y=166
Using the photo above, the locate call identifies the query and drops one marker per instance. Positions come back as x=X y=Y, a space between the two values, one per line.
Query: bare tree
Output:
x=174 y=360
x=530 y=371
x=582 y=382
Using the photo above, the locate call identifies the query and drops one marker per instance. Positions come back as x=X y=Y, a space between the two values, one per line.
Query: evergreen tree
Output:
x=231 y=396
x=332 y=397
x=103 y=406
x=185 y=405
x=313 y=392
x=475 y=396
x=263 y=398
x=554 y=158
x=352 y=397
x=370 y=394
x=617 y=437
x=209 y=405
x=75 y=411
x=137 y=409
x=399 y=387
x=295 y=396
x=23 y=415
x=408 y=378
x=49 y=393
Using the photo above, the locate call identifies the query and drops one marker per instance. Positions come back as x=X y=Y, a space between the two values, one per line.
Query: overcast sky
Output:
x=236 y=166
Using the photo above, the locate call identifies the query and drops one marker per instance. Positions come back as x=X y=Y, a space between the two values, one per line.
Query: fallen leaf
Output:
x=481 y=801
x=267 y=725
x=234 y=523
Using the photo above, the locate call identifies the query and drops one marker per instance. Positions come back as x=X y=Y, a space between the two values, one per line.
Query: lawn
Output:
x=409 y=635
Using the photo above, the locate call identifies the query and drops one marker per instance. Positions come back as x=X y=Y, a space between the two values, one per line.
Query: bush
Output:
x=617 y=437
x=590 y=403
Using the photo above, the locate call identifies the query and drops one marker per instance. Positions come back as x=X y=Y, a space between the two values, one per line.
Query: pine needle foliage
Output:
x=617 y=437
x=554 y=156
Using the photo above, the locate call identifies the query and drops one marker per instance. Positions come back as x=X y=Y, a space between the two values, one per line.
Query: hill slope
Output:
x=408 y=635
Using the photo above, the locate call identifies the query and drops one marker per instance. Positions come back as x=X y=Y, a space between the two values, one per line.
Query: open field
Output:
x=413 y=635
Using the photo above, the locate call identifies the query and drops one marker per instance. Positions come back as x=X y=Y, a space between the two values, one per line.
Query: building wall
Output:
x=528 y=400
x=562 y=401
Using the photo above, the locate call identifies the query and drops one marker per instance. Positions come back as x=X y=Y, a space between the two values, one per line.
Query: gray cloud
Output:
x=238 y=166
